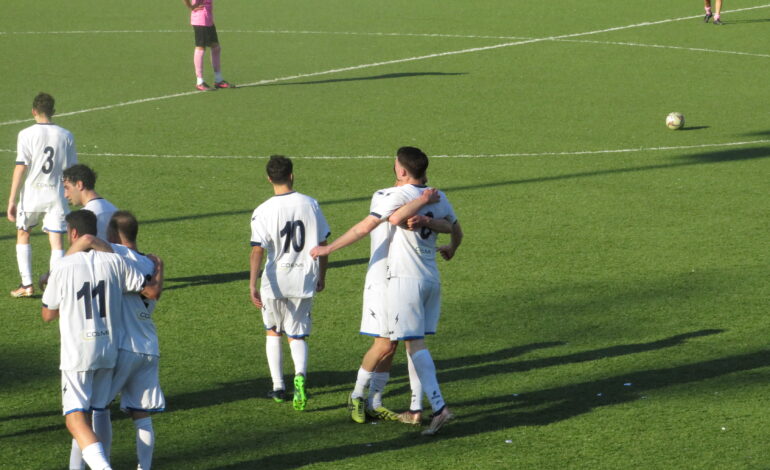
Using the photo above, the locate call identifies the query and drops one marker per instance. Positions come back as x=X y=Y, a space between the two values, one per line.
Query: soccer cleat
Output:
x=279 y=396
x=717 y=21
x=223 y=84
x=707 y=17
x=204 y=87
x=382 y=413
x=23 y=291
x=411 y=417
x=438 y=421
x=300 y=397
x=357 y=409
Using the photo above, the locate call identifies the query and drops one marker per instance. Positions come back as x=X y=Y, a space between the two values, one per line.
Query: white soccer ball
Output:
x=675 y=121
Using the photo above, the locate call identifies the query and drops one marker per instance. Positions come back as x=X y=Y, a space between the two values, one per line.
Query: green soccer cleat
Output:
x=279 y=396
x=382 y=413
x=300 y=396
x=357 y=409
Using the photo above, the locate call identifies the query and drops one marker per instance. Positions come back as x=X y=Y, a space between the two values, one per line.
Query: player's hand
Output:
x=256 y=298
x=320 y=285
x=196 y=5
x=430 y=196
x=42 y=282
x=417 y=221
x=11 y=214
x=447 y=252
x=321 y=250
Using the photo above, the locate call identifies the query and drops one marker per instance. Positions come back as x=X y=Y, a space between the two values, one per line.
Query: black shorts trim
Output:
x=205 y=36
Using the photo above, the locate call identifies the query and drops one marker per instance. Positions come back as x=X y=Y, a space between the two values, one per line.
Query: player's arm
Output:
x=18 y=177
x=437 y=225
x=191 y=5
x=323 y=262
x=255 y=264
x=403 y=213
x=456 y=237
x=89 y=242
x=49 y=314
x=153 y=288
x=356 y=232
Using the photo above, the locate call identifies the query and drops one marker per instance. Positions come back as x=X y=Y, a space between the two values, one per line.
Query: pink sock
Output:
x=198 y=61
x=216 y=53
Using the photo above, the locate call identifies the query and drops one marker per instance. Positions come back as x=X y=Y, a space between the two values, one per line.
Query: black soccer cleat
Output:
x=707 y=17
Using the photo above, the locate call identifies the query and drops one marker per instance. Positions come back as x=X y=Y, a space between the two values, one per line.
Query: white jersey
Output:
x=87 y=289
x=379 y=239
x=139 y=334
x=288 y=226
x=412 y=253
x=103 y=209
x=47 y=150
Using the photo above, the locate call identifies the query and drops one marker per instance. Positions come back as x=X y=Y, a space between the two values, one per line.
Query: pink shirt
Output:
x=203 y=16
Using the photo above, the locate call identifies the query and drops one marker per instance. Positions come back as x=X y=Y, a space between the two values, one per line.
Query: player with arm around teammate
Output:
x=44 y=151
x=85 y=292
x=287 y=226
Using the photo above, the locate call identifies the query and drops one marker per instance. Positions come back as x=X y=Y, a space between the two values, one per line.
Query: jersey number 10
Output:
x=294 y=231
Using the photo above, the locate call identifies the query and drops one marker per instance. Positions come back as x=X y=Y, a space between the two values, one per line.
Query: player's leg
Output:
x=298 y=325
x=77 y=390
x=56 y=227
x=198 y=54
x=707 y=7
x=379 y=380
x=24 y=261
x=145 y=438
x=717 y=11
x=139 y=396
x=272 y=316
x=100 y=401
x=414 y=414
x=93 y=452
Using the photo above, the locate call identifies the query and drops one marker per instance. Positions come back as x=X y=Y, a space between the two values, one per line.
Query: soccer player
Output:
x=717 y=11
x=79 y=184
x=287 y=226
x=44 y=150
x=375 y=366
x=85 y=291
x=202 y=21
x=135 y=375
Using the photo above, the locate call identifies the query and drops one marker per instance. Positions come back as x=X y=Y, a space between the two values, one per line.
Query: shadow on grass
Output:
x=385 y=76
x=730 y=155
x=538 y=408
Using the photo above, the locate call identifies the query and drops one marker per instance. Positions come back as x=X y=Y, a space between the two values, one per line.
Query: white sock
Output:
x=299 y=356
x=76 y=457
x=24 y=259
x=103 y=429
x=415 y=385
x=361 y=382
x=377 y=385
x=275 y=361
x=95 y=458
x=198 y=80
x=426 y=370
x=145 y=442
x=56 y=255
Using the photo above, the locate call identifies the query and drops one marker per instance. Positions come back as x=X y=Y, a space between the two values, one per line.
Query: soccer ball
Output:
x=675 y=121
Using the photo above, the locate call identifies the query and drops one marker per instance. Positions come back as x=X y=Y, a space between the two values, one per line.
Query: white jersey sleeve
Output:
x=103 y=209
x=47 y=150
x=87 y=289
x=288 y=226
x=379 y=240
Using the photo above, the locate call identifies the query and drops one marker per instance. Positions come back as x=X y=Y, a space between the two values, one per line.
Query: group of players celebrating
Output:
x=102 y=290
x=402 y=292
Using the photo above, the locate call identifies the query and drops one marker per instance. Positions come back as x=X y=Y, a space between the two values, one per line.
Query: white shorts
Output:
x=414 y=307
x=289 y=316
x=53 y=221
x=374 y=317
x=136 y=378
x=85 y=390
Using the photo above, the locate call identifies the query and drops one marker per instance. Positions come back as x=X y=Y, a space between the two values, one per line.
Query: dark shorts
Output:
x=205 y=36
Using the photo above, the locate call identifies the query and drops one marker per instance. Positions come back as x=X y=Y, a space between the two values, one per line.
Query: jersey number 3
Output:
x=88 y=297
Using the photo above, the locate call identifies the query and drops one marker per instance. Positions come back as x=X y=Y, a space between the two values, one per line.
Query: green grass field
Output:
x=607 y=308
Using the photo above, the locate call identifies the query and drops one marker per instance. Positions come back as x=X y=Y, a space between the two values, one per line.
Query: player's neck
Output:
x=281 y=189
x=42 y=119
x=128 y=244
x=89 y=195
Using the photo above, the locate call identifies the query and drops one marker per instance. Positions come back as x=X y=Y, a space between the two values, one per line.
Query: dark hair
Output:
x=279 y=169
x=83 y=220
x=43 y=103
x=123 y=222
x=414 y=160
x=80 y=173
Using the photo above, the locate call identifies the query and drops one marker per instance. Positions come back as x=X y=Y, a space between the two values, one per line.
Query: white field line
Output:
x=388 y=62
x=659 y=46
x=369 y=157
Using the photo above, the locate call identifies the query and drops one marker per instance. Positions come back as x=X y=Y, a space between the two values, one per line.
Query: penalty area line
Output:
x=462 y=156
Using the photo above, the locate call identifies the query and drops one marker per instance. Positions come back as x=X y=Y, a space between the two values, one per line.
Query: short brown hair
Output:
x=43 y=103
